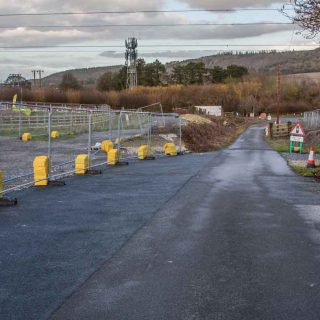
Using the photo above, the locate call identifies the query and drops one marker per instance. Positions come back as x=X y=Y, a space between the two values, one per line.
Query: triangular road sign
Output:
x=298 y=130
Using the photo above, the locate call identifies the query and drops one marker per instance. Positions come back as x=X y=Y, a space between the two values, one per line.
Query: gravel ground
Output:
x=16 y=157
x=298 y=159
x=295 y=156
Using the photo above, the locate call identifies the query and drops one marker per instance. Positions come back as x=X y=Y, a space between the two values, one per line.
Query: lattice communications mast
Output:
x=131 y=62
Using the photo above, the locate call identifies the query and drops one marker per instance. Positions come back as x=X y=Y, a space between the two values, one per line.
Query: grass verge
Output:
x=281 y=145
x=305 y=172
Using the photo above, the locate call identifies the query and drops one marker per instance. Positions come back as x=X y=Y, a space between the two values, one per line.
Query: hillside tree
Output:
x=217 y=74
x=234 y=71
x=112 y=80
x=153 y=72
x=69 y=82
x=106 y=81
x=306 y=15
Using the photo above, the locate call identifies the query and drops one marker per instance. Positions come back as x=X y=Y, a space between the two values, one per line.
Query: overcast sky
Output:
x=13 y=32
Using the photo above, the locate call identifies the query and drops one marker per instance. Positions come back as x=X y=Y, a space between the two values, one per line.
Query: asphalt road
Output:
x=226 y=235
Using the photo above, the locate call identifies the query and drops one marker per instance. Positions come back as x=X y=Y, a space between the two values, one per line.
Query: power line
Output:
x=160 y=45
x=99 y=51
x=148 y=25
x=140 y=11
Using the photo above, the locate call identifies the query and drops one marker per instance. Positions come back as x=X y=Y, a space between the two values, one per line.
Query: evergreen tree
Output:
x=69 y=81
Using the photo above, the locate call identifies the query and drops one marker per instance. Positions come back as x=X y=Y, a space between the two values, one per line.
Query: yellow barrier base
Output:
x=41 y=171
x=26 y=136
x=144 y=153
x=82 y=164
x=106 y=146
x=113 y=157
x=55 y=134
x=170 y=149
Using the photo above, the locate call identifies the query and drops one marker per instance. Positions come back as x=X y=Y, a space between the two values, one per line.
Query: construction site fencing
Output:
x=311 y=119
x=166 y=128
x=62 y=134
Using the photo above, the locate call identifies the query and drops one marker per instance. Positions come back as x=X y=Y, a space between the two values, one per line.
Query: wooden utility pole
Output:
x=34 y=76
x=40 y=77
x=278 y=93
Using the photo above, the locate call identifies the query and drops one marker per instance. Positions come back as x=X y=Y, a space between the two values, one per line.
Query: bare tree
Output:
x=307 y=16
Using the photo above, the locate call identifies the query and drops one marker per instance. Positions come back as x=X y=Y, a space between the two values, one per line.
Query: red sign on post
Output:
x=297 y=130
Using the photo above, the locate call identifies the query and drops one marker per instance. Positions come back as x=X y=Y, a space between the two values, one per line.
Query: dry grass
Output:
x=194 y=118
x=239 y=96
x=204 y=137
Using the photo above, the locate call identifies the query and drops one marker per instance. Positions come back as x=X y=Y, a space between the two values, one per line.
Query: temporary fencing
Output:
x=165 y=129
x=63 y=133
x=311 y=119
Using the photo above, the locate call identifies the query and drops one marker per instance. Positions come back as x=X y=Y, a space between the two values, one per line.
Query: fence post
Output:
x=149 y=131
x=163 y=118
x=90 y=136
x=20 y=120
x=110 y=124
x=71 y=121
x=139 y=120
x=119 y=132
x=49 y=139
x=271 y=130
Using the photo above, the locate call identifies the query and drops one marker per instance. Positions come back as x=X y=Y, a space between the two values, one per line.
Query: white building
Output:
x=210 y=110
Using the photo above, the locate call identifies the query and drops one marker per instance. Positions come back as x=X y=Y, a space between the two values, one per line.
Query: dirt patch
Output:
x=213 y=135
x=194 y=118
x=131 y=145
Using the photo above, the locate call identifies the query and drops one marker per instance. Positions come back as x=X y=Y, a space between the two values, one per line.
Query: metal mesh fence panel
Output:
x=63 y=133
x=165 y=128
x=23 y=136
x=312 y=119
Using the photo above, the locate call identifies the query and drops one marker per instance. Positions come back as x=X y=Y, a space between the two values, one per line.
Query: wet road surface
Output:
x=226 y=235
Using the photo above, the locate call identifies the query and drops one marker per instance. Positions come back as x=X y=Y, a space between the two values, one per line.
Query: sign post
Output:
x=297 y=137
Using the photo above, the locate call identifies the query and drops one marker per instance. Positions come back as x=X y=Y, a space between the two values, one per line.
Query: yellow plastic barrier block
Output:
x=144 y=152
x=106 y=146
x=113 y=157
x=170 y=149
x=1 y=183
x=41 y=170
x=55 y=134
x=82 y=163
x=26 y=136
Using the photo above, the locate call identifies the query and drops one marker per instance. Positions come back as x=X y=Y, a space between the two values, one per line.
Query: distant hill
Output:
x=85 y=75
x=291 y=62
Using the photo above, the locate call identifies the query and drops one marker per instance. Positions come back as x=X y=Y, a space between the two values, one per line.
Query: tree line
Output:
x=155 y=74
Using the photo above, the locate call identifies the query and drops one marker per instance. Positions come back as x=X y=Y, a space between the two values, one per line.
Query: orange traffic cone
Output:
x=311 y=162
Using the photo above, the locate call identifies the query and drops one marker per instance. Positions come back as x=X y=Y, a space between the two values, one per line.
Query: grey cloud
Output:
x=209 y=33
x=62 y=36
x=172 y=54
x=100 y=36
x=228 y=4
x=103 y=36
x=25 y=37
x=32 y=6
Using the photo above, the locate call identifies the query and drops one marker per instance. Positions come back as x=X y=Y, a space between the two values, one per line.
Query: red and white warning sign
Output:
x=297 y=130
